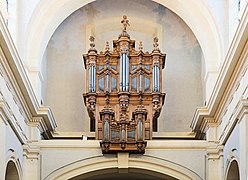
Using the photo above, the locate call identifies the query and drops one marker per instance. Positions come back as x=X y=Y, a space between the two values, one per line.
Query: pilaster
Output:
x=31 y=169
x=214 y=162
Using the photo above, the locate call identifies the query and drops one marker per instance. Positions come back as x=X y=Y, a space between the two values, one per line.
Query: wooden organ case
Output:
x=124 y=97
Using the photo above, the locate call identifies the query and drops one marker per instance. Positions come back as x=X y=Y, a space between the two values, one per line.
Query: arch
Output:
x=199 y=19
x=13 y=166
x=11 y=171
x=232 y=172
x=130 y=173
x=146 y=164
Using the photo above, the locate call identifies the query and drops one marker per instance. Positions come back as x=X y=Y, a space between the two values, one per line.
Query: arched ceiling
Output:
x=50 y=14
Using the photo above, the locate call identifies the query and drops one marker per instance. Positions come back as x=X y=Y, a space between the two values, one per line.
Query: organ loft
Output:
x=124 y=97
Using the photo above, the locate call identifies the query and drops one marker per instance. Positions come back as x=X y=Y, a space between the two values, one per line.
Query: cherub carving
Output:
x=125 y=23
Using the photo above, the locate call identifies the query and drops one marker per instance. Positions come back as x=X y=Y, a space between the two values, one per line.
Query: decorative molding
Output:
x=36 y=71
x=152 y=144
x=39 y=123
x=221 y=87
x=242 y=109
x=31 y=152
x=20 y=82
x=95 y=163
x=8 y=118
x=215 y=152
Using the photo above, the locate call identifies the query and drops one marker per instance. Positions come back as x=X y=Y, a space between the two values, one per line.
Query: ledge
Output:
x=151 y=144
x=173 y=135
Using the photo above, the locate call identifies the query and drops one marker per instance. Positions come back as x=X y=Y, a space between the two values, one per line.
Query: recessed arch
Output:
x=130 y=174
x=232 y=172
x=13 y=166
x=11 y=172
x=156 y=166
x=199 y=19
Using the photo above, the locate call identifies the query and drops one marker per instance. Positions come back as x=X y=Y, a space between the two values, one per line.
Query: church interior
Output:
x=123 y=89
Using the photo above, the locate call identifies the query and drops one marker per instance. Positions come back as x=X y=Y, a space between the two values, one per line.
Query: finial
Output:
x=125 y=23
x=140 y=46
x=107 y=46
x=155 y=43
x=92 y=42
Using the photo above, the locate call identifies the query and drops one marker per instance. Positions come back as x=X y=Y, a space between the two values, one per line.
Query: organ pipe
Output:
x=121 y=72
x=124 y=72
x=90 y=79
x=127 y=73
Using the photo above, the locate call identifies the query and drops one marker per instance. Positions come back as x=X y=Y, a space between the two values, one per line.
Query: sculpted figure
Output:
x=125 y=23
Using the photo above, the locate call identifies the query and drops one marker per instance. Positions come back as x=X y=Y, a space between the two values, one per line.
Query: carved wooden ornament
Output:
x=124 y=97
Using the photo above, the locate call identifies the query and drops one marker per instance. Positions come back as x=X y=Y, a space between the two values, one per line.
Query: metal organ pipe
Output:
x=140 y=130
x=92 y=74
x=153 y=79
x=124 y=72
x=89 y=78
x=106 y=130
x=158 y=78
x=121 y=72
x=107 y=84
x=94 y=79
x=127 y=73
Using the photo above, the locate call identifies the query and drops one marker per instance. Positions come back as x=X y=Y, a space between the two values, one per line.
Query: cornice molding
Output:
x=215 y=152
x=8 y=118
x=221 y=86
x=31 y=152
x=24 y=89
x=241 y=110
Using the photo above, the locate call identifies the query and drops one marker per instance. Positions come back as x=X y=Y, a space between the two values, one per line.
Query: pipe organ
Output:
x=124 y=97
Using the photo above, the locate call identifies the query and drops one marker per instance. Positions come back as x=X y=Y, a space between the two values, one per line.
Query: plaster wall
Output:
x=24 y=11
x=219 y=10
x=11 y=147
x=233 y=7
x=236 y=148
x=66 y=74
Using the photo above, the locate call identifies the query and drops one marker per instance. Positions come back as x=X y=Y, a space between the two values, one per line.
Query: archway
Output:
x=130 y=173
x=102 y=167
x=233 y=171
x=11 y=171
